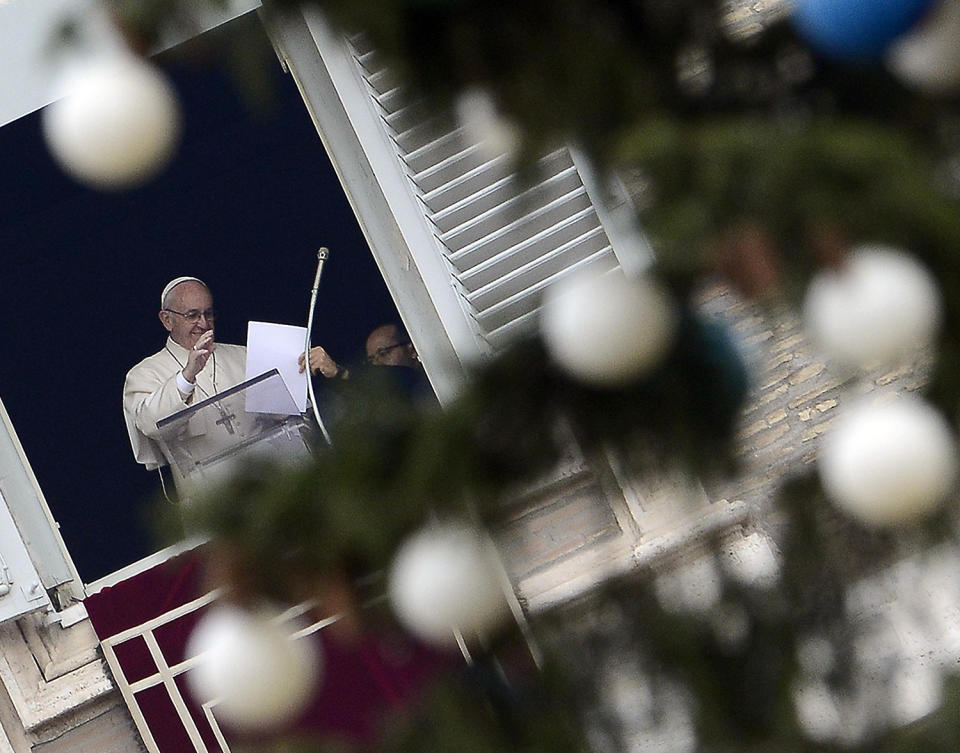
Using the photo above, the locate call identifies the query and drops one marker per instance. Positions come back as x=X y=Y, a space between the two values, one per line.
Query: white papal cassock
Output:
x=150 y=392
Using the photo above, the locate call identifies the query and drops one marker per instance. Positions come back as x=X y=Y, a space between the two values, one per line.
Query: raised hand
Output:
x=198 y=355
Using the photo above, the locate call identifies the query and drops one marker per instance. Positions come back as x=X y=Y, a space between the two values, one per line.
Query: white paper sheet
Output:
x=277 y=346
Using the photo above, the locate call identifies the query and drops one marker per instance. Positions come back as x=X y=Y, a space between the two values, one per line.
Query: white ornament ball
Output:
x=890 y=463
x=608 y=330
x=445 y=578
x=259 y=676
x=882 y=305
x=928 y=58
x=117 y=124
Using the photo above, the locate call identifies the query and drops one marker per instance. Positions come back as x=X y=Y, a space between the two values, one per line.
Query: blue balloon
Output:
x=855 y=30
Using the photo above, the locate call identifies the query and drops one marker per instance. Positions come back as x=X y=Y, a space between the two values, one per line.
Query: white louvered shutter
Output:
x=485 y=244
x=504 y=241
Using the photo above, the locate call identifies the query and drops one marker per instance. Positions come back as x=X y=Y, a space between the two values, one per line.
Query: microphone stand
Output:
x=322 y=255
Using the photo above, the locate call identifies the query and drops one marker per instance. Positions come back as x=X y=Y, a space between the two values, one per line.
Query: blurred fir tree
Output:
x=749 y=153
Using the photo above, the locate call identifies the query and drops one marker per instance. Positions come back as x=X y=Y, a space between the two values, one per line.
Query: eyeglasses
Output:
x=381 y=352
x=193 y=316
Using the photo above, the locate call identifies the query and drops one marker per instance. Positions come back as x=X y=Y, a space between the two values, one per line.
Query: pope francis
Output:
x=190 y=366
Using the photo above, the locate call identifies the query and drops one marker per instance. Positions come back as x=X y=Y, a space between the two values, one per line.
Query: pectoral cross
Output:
x=226 y=422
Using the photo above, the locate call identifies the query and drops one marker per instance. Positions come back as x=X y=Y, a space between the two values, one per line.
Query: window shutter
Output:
x=465 y=246
x=503 y=241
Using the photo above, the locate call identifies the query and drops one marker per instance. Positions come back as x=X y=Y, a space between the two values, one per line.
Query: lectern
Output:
x=256 y=420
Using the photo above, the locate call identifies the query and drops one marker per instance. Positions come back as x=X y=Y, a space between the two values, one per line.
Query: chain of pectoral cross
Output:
x=226 y=419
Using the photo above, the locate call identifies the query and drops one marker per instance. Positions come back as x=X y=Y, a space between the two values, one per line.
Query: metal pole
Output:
x=322 y=255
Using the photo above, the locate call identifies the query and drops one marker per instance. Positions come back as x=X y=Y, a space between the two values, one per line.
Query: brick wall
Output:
x=794 y=396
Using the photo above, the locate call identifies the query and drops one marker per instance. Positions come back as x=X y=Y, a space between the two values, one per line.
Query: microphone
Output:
x=323 y=253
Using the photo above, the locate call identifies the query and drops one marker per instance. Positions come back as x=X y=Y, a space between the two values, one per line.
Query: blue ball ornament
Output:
x=856 y=30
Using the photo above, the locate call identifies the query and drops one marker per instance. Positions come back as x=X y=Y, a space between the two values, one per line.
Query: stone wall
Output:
x=56 y=692
x=602 y=522
x=794 y=397
x=110 y=732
